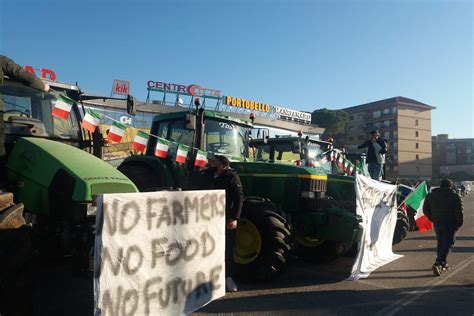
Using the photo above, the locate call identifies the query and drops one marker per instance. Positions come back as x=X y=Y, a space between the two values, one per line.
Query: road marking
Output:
x=404 y=301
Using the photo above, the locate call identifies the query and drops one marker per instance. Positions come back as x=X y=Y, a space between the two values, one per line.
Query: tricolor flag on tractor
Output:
x=339 y=160
x=162 y=146
x=182 y=153
x=415 y=200
x=333 y=155
x=351 y=168
x=345 y=165
x=140 y=141
x=62 y=107
x=91 y=120
x=116 y=132
x=201 y=159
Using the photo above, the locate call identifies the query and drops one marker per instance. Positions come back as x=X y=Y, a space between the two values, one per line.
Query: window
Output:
x=376 y=114
x=351 y=138
x=394 y=110
x=417 y=169
x=386 y=111
x=395 y=168
x=417 y=134
x=360 y=126
x=350 y=128
x=417 y=157
x=351 y=118
x=361 y=117
x=360 y=137
x=417 y=145
x=416 y=122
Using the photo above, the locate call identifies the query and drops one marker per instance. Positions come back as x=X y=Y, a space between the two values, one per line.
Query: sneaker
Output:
x=446 y=267
x=230 y=285
x=437 y=268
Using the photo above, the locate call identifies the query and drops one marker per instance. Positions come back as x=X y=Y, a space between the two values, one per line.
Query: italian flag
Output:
x=339 y=160
x=162 y=146
x=140 y=141
x=333 y=155
x=116 y=132
x=345 y=165
x=182 y=153
x=62 y=107
x=351 y=169
x=415 y=200
x=91 y=120
x=201 y=159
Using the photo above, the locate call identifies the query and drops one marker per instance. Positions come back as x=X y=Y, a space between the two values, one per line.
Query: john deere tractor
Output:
x=314 y=153
x=47 y=168
x=283 y=202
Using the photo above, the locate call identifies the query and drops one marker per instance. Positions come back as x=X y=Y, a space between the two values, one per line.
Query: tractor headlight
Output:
x=308 y=195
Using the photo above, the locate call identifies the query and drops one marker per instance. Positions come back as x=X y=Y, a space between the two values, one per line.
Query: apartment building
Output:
x=453 y=157
x=406 y=126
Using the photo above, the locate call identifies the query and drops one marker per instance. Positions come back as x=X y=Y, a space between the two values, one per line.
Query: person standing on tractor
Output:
x=444 y=208
x=15 y=72
x=375 y=156
x=220 y=176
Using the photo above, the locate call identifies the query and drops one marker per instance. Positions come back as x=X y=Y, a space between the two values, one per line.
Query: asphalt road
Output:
x=404 y=287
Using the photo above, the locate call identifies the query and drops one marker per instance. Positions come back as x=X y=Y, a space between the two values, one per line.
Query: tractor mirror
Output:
x=131 y=106
x=190 y=123
x=296 y=148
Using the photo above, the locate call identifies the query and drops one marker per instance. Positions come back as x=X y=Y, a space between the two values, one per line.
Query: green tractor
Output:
x=283 y=202
x=340 y=187
x=47 y=164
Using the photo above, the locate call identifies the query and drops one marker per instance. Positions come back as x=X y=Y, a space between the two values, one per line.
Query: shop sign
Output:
x=246 y=104
x=121 y=87
x=43 y=72
x=292 y=114
x=193 y=89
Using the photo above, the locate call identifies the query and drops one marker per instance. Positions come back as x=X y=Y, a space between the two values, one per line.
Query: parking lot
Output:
x=405 y=286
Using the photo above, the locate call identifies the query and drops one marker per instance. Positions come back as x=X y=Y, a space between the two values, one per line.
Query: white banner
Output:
x=159 y=253
x=377 y=204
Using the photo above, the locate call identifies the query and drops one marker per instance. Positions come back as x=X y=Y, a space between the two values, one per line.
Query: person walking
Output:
x=219 y=175
x=375 y=156
x=444 y=208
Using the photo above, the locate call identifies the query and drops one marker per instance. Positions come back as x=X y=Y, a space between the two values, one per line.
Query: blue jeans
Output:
x=446 y=236
x=375 y=170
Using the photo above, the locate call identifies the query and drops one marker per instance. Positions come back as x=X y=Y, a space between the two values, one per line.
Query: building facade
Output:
x=453 y=158
x=406 y=126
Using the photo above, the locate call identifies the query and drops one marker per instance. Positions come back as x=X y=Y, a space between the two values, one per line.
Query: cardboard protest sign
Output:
x=159 y=253
x=377 y=205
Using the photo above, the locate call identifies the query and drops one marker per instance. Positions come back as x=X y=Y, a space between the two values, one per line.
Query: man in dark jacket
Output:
x=220 y=176
x=444 y=208
x=375 y=156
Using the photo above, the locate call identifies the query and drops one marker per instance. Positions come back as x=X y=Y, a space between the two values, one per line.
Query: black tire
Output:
x=327 y=251
x=402 y=228
x=143 y=176
x=275 y=249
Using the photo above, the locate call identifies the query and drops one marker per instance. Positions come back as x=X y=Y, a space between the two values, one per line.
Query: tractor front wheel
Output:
x=402 y=228
x=262 y=243
x=142 y=176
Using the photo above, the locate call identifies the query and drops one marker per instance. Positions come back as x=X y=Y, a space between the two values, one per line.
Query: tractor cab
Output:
x=205 y=130
x=28 y=113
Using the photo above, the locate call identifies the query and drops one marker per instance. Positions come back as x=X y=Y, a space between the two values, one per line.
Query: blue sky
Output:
x=299 y=54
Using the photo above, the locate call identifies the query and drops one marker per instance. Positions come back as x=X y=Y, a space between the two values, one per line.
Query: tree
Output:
x=334 y=121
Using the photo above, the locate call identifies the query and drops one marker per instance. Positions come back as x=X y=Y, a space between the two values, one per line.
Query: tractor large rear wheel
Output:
x=402 y=228
x=142 y=176
x=320 y=251
x=262 y=243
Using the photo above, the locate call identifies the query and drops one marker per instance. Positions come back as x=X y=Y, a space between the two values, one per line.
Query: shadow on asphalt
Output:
x=434 y=238
x=433 y=250
x=332 y=301
x=300 y=273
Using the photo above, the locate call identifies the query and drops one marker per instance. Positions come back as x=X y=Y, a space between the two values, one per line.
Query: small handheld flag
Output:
x=91 y=120
x=140 y=141
x=201 y=159
x=162 y=146
x=116 y=132
x=62 y=107
x=182 y=153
